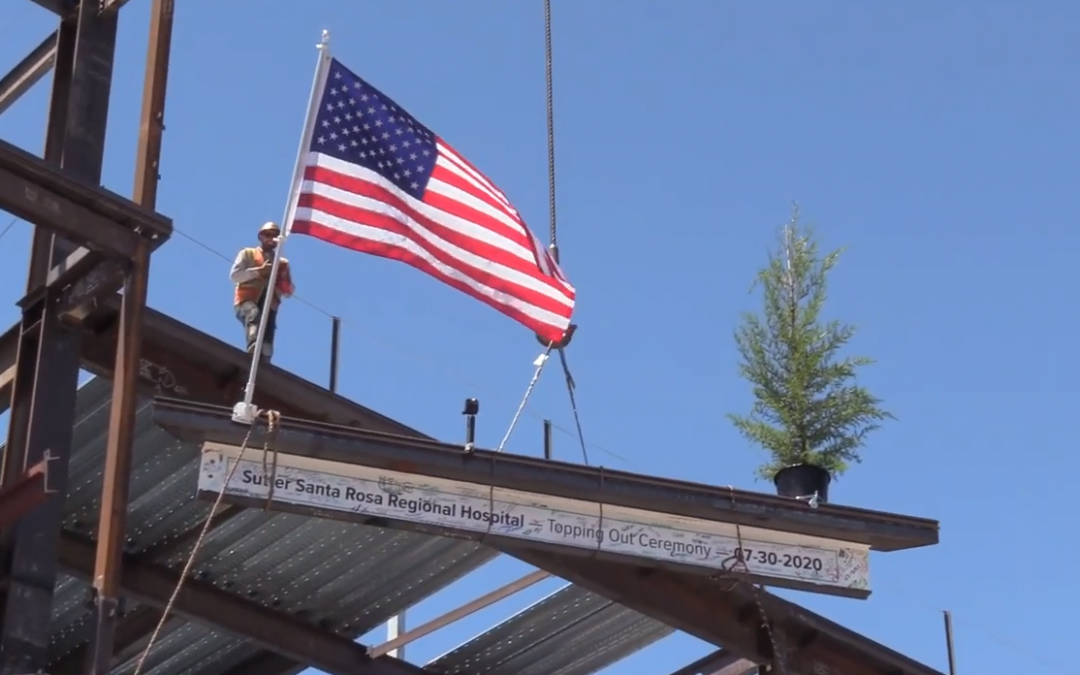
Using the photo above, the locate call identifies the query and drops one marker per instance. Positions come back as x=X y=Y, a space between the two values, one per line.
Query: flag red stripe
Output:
x=446 y=151
x=514 y=233
x=354 y=214
x=461 y=232
x=364 y=188
x=383 y=250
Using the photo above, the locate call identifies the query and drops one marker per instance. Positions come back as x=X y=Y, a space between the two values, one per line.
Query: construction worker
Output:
x=250 y=273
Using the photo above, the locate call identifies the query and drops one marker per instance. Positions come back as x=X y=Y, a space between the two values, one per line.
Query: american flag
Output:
x=378 y=181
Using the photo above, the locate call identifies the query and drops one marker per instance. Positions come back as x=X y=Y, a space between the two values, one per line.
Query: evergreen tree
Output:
x=808 y=408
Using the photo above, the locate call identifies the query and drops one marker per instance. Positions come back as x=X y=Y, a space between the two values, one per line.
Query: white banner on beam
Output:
x=475 y=508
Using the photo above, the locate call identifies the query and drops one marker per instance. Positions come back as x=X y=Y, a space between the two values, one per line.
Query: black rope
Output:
x=600 y=525
x=15 y=220
x=570 y=387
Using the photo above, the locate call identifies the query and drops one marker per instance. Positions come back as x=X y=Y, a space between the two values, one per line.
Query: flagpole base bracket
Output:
x=562 y=342
x=245 y=413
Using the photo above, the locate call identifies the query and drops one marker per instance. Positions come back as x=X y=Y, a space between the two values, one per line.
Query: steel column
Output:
x=112 y=523
x=47 y=372
x=112 y=519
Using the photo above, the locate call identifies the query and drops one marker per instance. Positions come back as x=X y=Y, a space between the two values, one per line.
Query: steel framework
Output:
x=90 y=243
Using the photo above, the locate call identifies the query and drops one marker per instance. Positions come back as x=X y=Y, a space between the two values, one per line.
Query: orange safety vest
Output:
x=251 y=290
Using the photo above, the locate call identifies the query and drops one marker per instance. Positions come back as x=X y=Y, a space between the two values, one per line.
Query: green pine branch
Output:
x=808 y=407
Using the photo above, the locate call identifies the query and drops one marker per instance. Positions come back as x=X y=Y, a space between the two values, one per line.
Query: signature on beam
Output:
x=161 y=377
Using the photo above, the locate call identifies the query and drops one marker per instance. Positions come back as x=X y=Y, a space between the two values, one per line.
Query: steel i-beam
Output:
x=112 y=524
x=36 y=65
x=23 y=495
x=46 y=378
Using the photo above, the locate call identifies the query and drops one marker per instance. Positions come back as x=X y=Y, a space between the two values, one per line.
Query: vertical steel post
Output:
x=44 y=393
x=335 y=341
x=395 y=628
x=41 y=245
x=547 y=439
x=116 y=486
x=949 y=642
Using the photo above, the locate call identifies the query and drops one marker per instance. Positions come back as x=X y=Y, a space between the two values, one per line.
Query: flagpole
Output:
x=245 y=412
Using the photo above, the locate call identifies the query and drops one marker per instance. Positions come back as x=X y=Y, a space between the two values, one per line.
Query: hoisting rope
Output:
x=272 y=419
x=540 y=362
x=553 y=232
x=739 y=570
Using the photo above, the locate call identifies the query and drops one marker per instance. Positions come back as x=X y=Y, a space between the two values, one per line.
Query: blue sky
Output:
x=932 y=139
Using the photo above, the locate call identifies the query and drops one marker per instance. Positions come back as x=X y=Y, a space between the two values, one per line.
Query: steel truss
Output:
x=88 y=243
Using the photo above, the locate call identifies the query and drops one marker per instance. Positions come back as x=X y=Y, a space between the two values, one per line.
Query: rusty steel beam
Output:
x=112 y=517
x=116 y=486
x=720 y=662
x=721 y=611
x=183 y=362
x=27 y=72
x=9 y=351
x=33 y=68
x=203 y=603
x=23 y=494
x=46 y=377
x=199 y=423
x=32 y=199
x=87 y=215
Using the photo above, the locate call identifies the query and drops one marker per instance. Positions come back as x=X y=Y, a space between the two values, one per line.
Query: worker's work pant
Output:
x=249 y=314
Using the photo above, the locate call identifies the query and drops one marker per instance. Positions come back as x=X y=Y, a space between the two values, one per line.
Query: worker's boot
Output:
x=252 y=330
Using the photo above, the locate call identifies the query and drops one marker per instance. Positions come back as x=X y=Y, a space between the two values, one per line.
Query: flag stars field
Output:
x=378 y=181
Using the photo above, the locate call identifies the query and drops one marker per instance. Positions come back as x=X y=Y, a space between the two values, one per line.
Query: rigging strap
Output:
x=540 y=362
x=571 y=386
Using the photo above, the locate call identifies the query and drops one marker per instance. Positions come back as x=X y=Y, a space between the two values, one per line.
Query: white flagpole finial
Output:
x=325 y=40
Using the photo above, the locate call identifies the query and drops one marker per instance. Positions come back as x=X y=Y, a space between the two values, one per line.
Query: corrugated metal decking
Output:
x=347 y=577
x=570 y=632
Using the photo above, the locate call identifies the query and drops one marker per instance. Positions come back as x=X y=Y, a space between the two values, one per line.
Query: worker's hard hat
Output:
x=270 y=227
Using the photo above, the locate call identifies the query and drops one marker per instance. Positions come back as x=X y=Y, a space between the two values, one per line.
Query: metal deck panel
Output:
x=346 y=577
x=570 y=632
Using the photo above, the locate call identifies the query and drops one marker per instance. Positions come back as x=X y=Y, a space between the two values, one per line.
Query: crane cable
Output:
x=553 y=233
x=553 y=237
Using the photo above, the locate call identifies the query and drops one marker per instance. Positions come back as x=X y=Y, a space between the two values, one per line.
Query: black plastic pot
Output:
x=803 y=480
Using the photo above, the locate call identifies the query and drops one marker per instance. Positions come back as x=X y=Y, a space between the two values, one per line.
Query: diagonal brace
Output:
x=27 y=72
